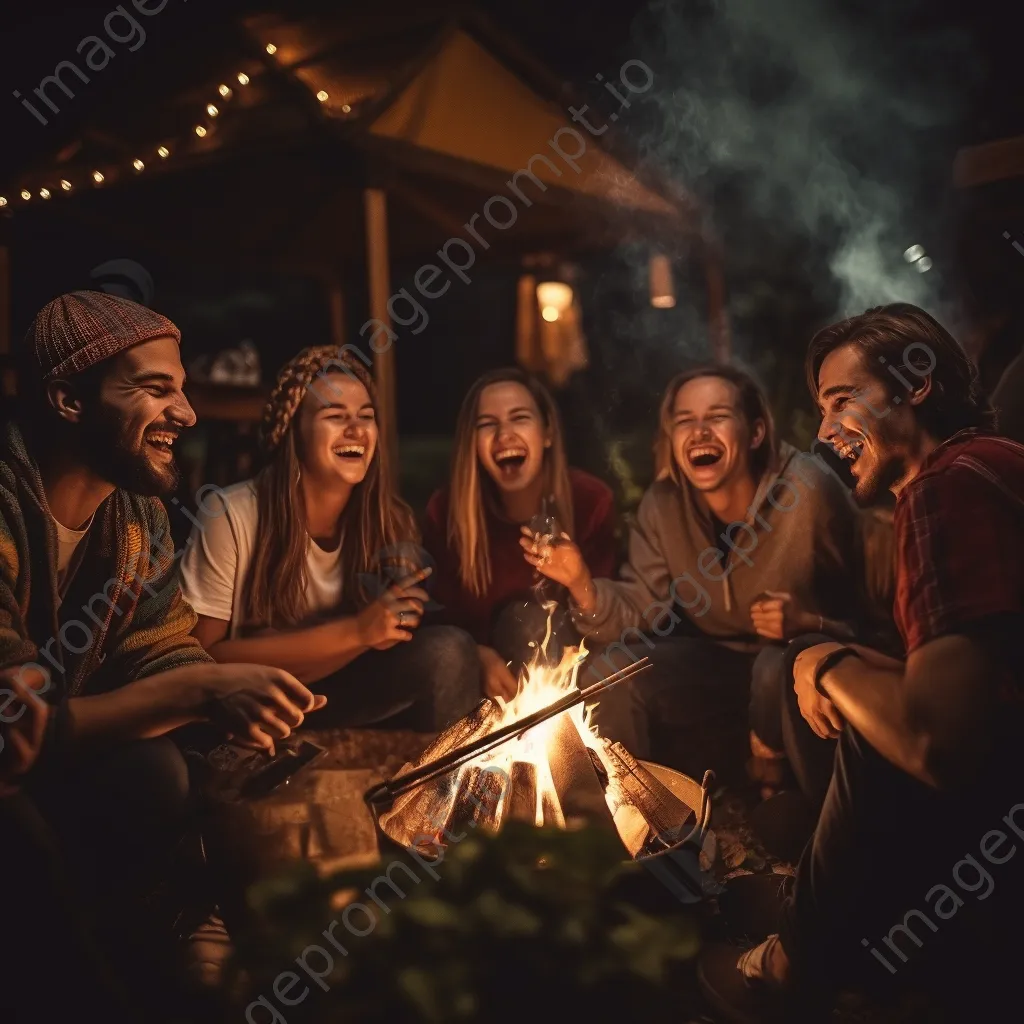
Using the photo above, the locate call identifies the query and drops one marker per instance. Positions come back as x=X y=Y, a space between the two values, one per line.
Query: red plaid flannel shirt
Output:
x=959 y=529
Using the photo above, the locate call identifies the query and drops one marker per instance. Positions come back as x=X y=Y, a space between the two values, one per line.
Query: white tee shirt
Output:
x=67 y=545
x=219 y=554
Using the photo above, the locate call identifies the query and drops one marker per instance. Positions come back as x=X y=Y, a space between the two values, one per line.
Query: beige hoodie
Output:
x=802 y=535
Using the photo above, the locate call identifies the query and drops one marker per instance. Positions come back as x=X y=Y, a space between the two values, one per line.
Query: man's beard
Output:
x=110 y=456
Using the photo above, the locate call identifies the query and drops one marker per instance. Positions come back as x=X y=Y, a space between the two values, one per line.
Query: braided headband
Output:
x=295 y=379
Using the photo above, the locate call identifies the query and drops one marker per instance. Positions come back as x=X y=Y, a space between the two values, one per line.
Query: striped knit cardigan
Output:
x=123 y=617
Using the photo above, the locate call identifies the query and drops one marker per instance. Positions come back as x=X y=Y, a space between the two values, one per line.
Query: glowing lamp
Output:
x=555 y=298
x=65 y=184
x=663 y=295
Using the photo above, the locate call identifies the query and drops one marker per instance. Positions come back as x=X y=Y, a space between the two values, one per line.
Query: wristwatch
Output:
x=829 y=662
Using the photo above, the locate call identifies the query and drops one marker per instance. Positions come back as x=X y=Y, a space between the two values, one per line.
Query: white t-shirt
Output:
x=219 y=553
x=67 y=545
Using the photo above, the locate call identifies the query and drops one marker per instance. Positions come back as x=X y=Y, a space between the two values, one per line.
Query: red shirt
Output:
x=511 y=575
x=959 y=528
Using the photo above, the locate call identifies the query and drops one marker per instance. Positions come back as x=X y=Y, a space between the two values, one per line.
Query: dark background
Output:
x=888 y=91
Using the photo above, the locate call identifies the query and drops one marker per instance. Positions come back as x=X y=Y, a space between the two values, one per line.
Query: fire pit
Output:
x=538 y=759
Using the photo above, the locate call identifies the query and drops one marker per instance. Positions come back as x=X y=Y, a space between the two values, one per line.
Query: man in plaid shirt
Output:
x=926 y=803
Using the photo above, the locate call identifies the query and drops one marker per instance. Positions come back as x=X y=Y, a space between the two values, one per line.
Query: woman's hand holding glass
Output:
x=392 y=618
x=561 y=561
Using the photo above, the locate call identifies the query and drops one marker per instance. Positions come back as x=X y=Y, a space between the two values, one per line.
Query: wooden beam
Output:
x=991 y=161
x=375 y=205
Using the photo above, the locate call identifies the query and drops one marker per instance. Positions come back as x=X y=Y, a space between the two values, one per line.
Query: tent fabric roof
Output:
x=429 y=109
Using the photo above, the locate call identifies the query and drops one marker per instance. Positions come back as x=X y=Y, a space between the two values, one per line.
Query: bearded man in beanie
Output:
x=91 y=617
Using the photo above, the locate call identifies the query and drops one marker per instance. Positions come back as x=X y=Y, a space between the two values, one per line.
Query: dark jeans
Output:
x=775 y=717
x=423 y=684
x=519 y=630
x=690 y=709
x=119 y=815
x=898 y=869
x=51 y=965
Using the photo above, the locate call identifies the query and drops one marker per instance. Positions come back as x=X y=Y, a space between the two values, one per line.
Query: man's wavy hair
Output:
x=907 y=338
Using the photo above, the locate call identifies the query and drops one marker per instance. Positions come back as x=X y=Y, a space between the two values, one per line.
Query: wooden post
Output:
x=7 y=374
x=718 y=314
x=375 y=205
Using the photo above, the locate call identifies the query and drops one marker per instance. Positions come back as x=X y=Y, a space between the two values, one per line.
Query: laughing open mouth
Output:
x=510 y=459
x=350 y=451
x=704 y=455
x=162 y=441
x=849 y=452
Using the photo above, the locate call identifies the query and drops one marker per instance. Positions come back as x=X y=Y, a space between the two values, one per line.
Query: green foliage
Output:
x=529 y=922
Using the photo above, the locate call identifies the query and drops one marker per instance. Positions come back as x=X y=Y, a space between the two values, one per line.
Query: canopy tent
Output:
x=318 y=143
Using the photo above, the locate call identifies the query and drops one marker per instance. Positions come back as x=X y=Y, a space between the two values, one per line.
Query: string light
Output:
x=224 y=90
x=346 y=109
x=271 y=49
x=322 y=96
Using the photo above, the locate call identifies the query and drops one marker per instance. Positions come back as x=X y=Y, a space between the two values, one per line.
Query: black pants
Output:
x=690 y=709
x=519 y=630
x=775 y=717
x=423 y=684
x=895 y=881
x=94 y=838
x=51 y=965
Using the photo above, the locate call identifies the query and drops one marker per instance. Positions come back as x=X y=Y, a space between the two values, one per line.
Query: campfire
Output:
x=539 y=759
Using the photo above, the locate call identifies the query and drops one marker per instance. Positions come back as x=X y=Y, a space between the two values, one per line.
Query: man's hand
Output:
x=820 y=712
x=258 y=705
x=22 y=728
x=498 y=680
x=777 y=616
x=395 y=614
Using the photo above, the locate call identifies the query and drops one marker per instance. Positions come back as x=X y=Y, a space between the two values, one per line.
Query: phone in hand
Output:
x=278 y=770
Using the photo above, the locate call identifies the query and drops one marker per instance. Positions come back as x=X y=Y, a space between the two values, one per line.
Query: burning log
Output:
x=521 y=801
x=580 y=793
x=425 y=811
x=477 y=802
x=670 y=819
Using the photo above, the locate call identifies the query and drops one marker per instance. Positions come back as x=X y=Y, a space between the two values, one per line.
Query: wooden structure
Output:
x=338 y=144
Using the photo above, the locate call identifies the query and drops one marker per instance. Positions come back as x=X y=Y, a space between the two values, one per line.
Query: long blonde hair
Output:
x=473 y=493
x=375 y=520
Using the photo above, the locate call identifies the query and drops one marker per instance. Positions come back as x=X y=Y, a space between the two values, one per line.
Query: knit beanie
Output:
x=78 y=330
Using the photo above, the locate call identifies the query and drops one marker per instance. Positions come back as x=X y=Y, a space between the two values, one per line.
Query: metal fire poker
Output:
x=387 y=792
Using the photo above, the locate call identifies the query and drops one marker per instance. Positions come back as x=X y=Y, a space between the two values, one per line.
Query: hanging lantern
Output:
x=663 y=295
x=555 y=298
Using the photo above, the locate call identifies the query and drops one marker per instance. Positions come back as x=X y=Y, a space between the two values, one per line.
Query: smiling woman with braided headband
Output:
x=290 y=570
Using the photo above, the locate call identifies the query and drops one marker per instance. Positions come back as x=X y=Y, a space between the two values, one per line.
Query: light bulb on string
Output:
x=163 y=152
x=26 y=195
x=322 y=96
x=243 y=78
x=44 y=193
x=212 y=110
x=65 y=184
x=138 y=164
x=200 y=131
x=3 y=201
x=225 y=91
x=97 y=176
x=271 y=49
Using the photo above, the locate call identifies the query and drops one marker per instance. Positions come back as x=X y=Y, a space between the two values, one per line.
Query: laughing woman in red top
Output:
x=509 y=465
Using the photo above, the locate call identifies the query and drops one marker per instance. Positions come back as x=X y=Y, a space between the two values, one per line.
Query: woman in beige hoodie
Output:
x=741 y=544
